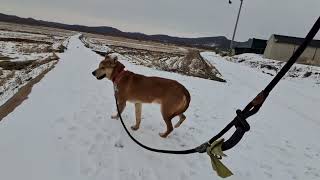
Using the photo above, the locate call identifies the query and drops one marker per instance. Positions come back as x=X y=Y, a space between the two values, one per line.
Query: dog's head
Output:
x=106 y=67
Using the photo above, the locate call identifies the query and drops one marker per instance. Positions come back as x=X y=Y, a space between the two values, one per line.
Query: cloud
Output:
x=259 y=18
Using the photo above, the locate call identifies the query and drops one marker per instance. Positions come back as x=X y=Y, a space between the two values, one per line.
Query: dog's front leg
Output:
x=121 y=106
x=138 y=108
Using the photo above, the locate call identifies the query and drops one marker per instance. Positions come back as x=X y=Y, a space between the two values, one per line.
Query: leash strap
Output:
x=215 y=152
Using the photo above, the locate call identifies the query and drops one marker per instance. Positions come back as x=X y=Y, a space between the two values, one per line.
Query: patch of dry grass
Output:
x=3 y=57
x=19 y=65
x=15 y=65
x=5 y=79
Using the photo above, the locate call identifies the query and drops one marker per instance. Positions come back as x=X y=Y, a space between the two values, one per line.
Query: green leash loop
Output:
x=215 y=152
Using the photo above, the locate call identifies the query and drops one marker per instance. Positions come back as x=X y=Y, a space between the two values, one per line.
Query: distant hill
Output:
x=220 y=42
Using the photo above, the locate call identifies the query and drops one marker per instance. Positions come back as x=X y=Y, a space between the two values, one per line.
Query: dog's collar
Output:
x=118 y=76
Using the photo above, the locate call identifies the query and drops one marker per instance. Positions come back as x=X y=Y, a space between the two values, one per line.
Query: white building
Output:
x=282 y=47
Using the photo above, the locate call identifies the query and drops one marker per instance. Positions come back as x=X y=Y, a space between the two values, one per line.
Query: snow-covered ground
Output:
x=17 y=50
x=42 y=55
x=19 y=79
x=272 y=67
x=64 y=130
x=95 y=45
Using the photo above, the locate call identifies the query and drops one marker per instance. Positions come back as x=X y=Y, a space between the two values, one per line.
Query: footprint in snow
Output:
x=268 y=174
x=118 y=144
x=72 y=128
x=292 y=174
x=289 y=145
x=60 y=120
x=266 y=167
x=92 y=149
x=285 y=164
x=312 y=171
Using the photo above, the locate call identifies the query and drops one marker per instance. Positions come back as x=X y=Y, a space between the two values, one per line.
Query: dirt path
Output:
x=21 y=95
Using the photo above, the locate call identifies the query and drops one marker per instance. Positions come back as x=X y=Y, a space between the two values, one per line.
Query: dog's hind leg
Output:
x=182 y=118
x=138 y=108
x=121 y=105
x=167 y=119
x=169 y=129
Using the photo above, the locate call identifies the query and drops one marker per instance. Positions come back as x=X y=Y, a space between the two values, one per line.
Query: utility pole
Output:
x=235 y=28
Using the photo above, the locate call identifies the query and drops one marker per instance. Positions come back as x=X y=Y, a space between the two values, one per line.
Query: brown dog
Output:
x=173 y=97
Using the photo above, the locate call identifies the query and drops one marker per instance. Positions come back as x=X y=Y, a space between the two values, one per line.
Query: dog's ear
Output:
x=109 y=52
x=107 y=56
x=114 y=58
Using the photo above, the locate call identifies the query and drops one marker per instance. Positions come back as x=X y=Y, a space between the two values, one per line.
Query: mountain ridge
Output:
x=214 y=42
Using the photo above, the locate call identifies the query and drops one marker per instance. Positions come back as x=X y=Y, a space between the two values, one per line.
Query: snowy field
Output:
x=186 y=62
x=25 y=55
x=20 y=49
x=19 y=79
x=272 y=67
x=136 y=44
x=64 y=130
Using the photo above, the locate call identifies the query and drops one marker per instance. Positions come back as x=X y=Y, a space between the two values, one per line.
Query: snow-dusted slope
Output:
x=64 y=130
x=272 y=67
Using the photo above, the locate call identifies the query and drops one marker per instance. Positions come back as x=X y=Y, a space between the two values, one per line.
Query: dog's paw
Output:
x=134 y=127
x=114 y=117
x=177 y=125
x=163 y=135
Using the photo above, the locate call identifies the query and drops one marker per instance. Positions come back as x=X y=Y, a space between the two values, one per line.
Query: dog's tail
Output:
x=186 y=99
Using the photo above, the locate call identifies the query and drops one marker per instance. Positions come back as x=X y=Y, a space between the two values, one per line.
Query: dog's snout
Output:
x=94 y=73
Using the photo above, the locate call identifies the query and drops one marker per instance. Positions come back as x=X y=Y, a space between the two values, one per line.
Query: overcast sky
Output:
x=188 y=18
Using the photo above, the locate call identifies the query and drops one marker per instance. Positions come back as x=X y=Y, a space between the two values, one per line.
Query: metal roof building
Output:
x=282 y=47
x=254 y=45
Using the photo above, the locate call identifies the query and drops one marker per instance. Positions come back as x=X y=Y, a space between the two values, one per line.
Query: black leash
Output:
x=240 y=122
